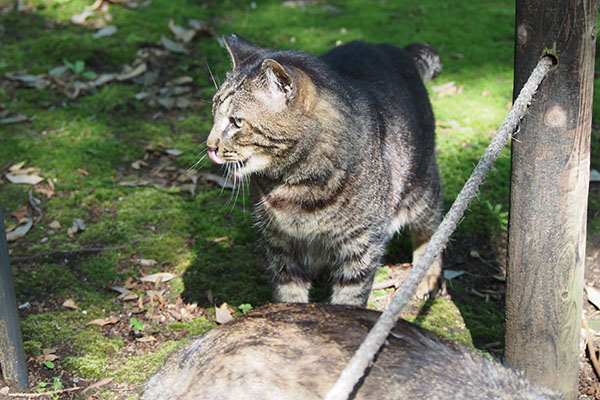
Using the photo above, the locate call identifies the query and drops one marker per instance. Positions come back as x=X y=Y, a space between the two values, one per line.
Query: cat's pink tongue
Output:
x=215 y=158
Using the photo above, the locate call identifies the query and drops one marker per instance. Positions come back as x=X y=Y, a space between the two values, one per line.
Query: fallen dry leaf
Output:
x=83 y=172
x=143 y=262
x=46 y=189
x=58 y=71
x=55 y=225
x=103 y=79
x=70 y=303
x=182 y=80
x=50 y=350
x=593 y=296
x=131 y=283
x=80 y=19
x=108 y=30
x=222 y=314
x=146 y=339
x=181 y=34
x=128 y=297
x=16 y=167
x=174 y=152
x=173 y=46
x=218 y=179
x=20 y=231
x=447 y=89
x=14 y=119
x=120 y=289
x=158 y=277
x=78 y=226
x=186 y=316
x=34 y=81
x=23 y=179
x=21 y=214
x=48 y=357
x=139 y=164
x=104 y=321
x=129 y=72
x=189 y=188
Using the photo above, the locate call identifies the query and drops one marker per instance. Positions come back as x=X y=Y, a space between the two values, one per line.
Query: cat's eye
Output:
x=238 y=122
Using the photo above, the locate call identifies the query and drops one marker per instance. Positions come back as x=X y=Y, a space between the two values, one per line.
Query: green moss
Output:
x=484 y=319
x=89 y=365
x=443 y=317
x=32 y=348
x=51 y=328
x=137 y=369
x=195 y=327
x=109 y=97
x=47 y=280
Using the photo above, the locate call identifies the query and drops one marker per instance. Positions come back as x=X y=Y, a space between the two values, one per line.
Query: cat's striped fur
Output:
x=340 y=150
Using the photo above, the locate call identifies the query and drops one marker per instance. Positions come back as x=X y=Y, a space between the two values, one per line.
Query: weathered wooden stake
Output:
x=549 y=189
x=12 y=358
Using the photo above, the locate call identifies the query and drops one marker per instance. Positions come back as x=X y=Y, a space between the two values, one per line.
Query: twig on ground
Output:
x=67 y=252
x=44 y=394
x=32 y=202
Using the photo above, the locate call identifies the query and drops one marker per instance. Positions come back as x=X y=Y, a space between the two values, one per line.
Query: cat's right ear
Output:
x=240 y=49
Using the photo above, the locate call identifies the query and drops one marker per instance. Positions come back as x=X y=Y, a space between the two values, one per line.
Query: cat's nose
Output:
x=213 y=141
x=213 y=148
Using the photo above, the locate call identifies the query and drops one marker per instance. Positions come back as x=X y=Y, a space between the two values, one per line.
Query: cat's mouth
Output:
x=215 y=157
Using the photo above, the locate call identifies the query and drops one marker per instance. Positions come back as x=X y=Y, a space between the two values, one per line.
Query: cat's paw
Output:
x=433 y=282
x=429 y=287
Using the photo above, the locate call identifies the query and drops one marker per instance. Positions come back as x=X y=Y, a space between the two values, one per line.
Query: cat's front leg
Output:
x=291 y=292
x=354 y=294
x=353 y=279
x=290 y=279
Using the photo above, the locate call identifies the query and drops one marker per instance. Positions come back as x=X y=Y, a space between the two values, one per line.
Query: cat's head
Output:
x=261 y=110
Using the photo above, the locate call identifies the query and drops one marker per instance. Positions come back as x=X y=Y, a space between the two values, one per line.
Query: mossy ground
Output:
x=87 y=146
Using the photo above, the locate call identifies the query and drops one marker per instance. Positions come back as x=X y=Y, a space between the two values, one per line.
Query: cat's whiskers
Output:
x=236 y=185
x=226 y=177
x=231 y=172
x=244 y=183
x=212 y=77
x=199 y=157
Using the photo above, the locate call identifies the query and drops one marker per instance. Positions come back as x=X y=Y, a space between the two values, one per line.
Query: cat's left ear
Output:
x=279 y=83
x=240 y=49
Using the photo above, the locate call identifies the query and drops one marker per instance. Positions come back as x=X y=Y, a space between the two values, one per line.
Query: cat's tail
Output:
x=426 y=59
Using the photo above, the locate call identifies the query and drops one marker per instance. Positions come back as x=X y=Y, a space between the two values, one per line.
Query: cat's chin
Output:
x=256 y=164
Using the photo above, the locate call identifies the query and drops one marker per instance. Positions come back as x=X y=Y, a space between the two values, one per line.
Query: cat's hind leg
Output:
x=421 y=231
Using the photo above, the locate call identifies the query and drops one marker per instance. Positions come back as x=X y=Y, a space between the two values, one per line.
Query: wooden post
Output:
x=12 y=358
x=549 y=189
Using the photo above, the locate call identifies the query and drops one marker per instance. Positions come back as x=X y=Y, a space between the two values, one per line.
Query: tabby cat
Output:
x=340 y=151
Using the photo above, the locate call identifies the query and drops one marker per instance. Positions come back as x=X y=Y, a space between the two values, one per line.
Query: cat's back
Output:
x=383 y=67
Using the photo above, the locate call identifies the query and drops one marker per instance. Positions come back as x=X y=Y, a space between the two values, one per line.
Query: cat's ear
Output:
x=240 y=49
x=278 y=83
